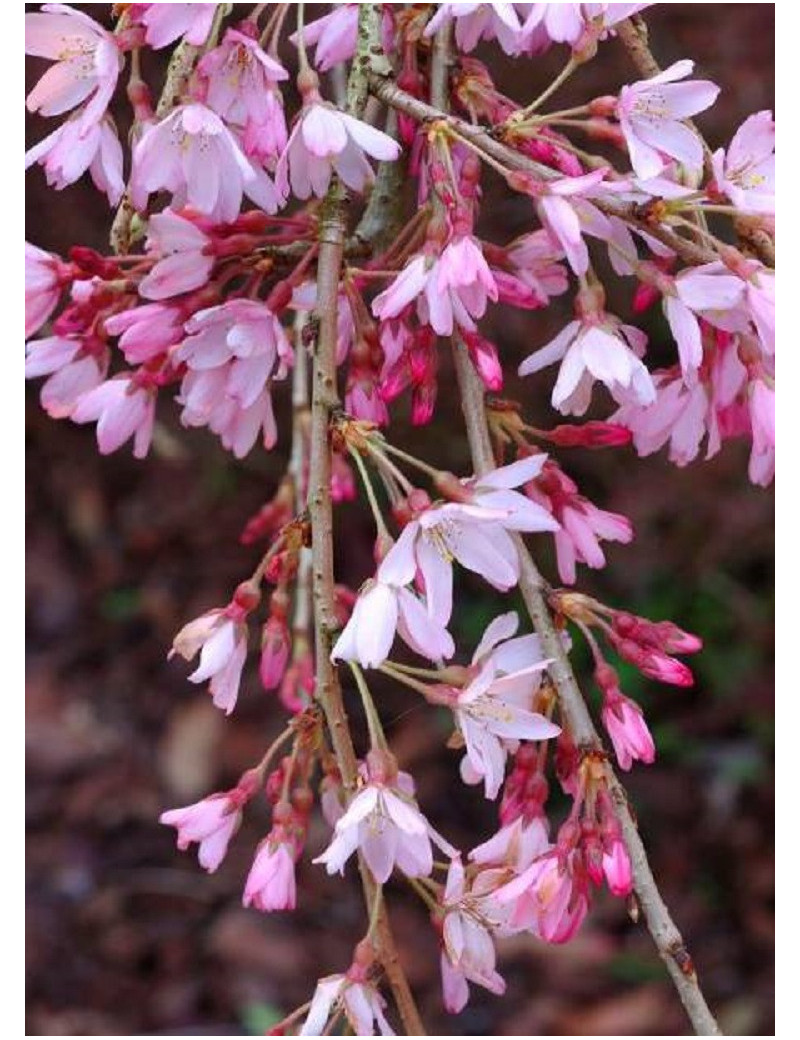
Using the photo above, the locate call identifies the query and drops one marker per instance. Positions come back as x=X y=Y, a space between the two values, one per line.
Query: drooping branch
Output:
x=388 y=92
x=574 y=710
x=332 y=234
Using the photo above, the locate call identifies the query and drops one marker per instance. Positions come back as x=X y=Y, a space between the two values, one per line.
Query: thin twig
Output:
x=332 y=232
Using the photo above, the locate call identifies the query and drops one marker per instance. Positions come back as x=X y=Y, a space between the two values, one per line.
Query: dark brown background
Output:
x=128 y=936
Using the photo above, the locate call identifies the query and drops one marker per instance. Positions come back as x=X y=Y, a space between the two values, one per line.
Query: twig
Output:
x=391 y=94
x=332 y=231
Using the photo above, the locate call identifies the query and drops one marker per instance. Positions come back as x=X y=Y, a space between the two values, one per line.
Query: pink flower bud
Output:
x=617 y=869
x=625 y=725
x=211 y=823
x=275 y=647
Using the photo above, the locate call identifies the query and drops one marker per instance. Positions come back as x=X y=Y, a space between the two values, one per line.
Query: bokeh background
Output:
x=128 y=936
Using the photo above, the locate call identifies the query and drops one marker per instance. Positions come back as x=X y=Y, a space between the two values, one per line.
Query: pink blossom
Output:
x=166 y=22
x=77 y=146
x=220 y=637
x=360 y=1001
x=145 y=332
x=239 y=80
x=583 y=525
x=565 y=210
x=480 y=21
x=473 y=531
x=468 y=953
x=323 y=141
x=211 y=823
x=45 y=274
x=73 y=372
x=233 y=352
x=123 y=407
x=625 y=724
x=591 y=349
x=453 y=288
x=87 y=59
x=699 y=290
x=384 y=608
x=651 y=114
x=333 y=35
x=515 y=845
x=194 y=156
x=384 y=823
x=186 y=256
x=534 y=259
x=495 y=708
x=271 y=882
x=546 y=899
x=559 y=23
x=746 y=171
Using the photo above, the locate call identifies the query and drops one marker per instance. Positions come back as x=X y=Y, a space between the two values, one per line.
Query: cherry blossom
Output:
x=87 y=60
x=45 y=274
x=122 y=407
x=745 y=172
x=360 y=1001
x=651 y=114
x=186 y=256
x=166 y=22
x=75 y=147
x=211 y=823
x=73 y=372
x=193 y=155
x=324 y=140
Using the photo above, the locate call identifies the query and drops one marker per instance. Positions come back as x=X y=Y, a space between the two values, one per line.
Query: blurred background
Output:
x=128 y=936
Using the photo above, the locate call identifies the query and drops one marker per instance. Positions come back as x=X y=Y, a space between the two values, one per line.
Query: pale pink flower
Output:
x=473 y=531
x=360 y=1001
x=45 y=276
x=452 y=289
x=475 y=22
x=384 y=823
x=211 y=823
x=705 y=290
x=381 y=610
x=271 y=882
x=493 y=712
x=323 y=141
x=166 y=22
x=186 y=256
x=759 y=300
x=239 y=80
x=593 y=349
x=78 y=146
x=546 y=899
x=145 y=332
x=333 y=35
x=625 y=725
x=73 y=372
x=220 y=637
x=468 y=953
x=193 y=155
x=534 y=258
x=87 y=59
x=559 y=23
x=746 y=171
x=233 y=353
x=565 y=210
x=651 y=114
x=515 y=845
x=123 y=407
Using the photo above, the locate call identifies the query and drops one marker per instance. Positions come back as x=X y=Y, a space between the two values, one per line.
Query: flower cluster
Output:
x=233 y=269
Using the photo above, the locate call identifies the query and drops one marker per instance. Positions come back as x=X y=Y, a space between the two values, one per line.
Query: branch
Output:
x=573 y=707
x=662 y=928
x=332 y=231
x=388 y=92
